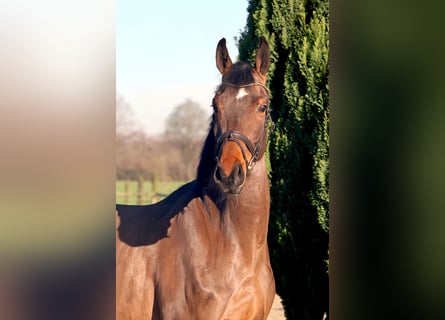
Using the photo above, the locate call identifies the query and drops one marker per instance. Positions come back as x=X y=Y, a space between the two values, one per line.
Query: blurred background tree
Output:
x=185 y=130
x=125 y=120
x=297 y=32
x=173 y=155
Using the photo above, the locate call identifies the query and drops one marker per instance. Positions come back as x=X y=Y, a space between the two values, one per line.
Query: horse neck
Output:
x=246 y=213
x=249 y=211
x=244 y=217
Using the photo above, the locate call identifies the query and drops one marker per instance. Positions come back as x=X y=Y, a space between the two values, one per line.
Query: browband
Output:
x=246 y=85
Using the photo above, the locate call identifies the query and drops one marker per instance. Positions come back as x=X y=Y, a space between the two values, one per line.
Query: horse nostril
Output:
x=232 y=182
x=219 y=174
x=238 y=175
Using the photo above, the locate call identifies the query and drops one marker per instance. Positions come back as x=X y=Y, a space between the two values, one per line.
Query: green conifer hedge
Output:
x=297 y=32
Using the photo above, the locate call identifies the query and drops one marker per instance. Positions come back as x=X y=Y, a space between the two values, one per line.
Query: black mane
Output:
x=207 y=162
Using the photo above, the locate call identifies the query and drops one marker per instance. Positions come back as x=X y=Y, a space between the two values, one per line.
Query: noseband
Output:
x=238 y=137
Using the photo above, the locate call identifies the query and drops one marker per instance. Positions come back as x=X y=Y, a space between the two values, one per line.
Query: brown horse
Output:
x=202 y=252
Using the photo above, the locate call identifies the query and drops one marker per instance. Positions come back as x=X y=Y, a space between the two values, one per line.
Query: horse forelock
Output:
x=240 y=74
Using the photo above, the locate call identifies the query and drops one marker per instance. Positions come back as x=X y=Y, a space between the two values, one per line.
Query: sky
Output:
x=165 y=53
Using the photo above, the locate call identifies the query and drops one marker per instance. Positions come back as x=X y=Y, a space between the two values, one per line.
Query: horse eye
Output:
x=263 y=108
x=215 y=107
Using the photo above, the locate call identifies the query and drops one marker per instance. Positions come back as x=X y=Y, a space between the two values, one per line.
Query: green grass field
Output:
x=149 y=194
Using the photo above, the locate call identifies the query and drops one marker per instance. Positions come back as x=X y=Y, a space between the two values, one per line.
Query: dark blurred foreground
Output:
x=82 y=290
x=57 y=131
x=387 y=159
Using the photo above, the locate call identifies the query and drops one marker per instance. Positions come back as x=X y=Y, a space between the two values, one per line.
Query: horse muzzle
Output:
x=230 y=182
x=233 y=162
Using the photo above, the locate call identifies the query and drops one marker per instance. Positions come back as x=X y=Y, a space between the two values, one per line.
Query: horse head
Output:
x=240 y=118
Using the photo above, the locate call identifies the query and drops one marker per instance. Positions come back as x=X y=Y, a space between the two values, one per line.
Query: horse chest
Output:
x=198 y=291
x=204 y=276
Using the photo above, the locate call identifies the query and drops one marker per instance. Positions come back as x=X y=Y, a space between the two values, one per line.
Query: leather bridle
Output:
x=238 y=137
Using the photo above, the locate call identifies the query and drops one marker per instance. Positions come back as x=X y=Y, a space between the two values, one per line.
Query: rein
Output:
x=236 y=136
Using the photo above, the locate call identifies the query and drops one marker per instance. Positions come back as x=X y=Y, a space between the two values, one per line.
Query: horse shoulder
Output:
x=253 y=298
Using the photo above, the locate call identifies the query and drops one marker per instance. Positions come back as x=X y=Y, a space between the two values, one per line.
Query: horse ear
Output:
x=223 y=61
x=262 y=61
